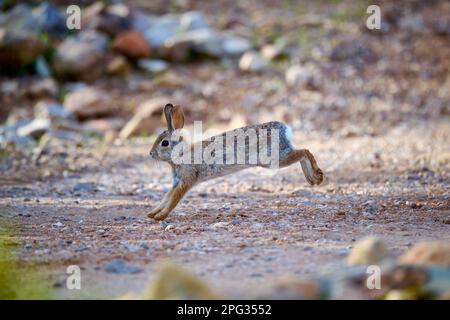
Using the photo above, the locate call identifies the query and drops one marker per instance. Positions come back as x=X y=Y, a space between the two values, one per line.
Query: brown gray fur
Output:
x=186 y=175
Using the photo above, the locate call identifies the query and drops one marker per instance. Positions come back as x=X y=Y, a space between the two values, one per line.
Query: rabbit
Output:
x=188 y=174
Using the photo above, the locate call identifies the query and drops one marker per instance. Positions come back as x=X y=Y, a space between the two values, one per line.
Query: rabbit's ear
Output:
x=177 y=117
x=168 y=109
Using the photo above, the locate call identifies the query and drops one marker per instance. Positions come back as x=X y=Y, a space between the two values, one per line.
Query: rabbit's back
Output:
x=241 y=148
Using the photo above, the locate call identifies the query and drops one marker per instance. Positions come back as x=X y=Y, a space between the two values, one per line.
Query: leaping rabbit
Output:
x=170 y=147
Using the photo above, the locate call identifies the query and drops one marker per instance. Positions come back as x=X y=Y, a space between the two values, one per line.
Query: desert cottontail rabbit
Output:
x=224 y=154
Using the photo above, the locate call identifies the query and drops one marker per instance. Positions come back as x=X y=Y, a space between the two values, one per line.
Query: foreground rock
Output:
x=174 y=282
x=370 y=250
x=428 y=254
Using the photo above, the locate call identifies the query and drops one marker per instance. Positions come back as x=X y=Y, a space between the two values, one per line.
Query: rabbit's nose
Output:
x=152 y=153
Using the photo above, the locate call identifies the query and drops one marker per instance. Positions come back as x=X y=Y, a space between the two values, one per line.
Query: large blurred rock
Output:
x=436 y=253
x=132 y=45
x=174 y=282
x=19 y=38
x=113 y=19
x=146 y=119
x=82 y=56
x=88 y=102
x=209 y=42
x=368 y=251
x=49 y=19
x=175 y=36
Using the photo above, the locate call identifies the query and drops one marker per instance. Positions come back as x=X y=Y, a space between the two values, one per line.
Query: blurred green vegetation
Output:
x=18 y=280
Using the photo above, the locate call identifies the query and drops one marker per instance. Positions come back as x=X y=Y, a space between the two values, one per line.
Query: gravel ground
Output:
x=237 y=232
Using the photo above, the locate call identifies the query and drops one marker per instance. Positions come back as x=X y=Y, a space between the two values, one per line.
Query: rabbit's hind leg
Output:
x=311 y=170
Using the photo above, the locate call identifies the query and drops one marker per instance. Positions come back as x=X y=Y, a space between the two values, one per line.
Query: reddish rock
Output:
x=132 y=45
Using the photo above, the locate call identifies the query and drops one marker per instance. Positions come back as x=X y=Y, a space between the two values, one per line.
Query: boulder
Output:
x=82 y=56
x=49 y=19
x=132 y=45
x=20 y=43
x=88 y=102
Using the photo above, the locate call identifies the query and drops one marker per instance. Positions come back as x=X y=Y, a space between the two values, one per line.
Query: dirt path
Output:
x=240 y=231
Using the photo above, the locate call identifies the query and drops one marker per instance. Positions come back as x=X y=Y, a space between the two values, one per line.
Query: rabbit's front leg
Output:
x=170 y=201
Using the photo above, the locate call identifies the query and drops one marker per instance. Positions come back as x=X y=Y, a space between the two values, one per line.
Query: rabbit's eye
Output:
x=165 y=143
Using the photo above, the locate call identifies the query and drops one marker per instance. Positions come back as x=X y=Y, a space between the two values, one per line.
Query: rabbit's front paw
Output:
x=154 y=212
x=161 y=215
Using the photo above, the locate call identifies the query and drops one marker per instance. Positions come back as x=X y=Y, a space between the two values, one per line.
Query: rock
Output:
x=433 y=253
x=235 y=46
x=132 y=45
x=153 y=65
x=20 y=43
x=82 y=56
x=130 y=247
x=220 y=225
x=370 y=250
x=88 y=102
x=273 y=51
x=397 y=294
x=50 y=20
x=121 y=267
x=112 y=20
x=290 y=289
x=47 y=87
x=209 y=42
x=104 y=125
x=193 y=20
x=35 y=128
x=162 y=29
x=253 y=61
x=85 y=187
x=52 y=110
x=42 y=68
x=15 y=141
x=58 y=225
x=118 y=66
x=146 y=119
x=300 y=76
x=174 y=282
